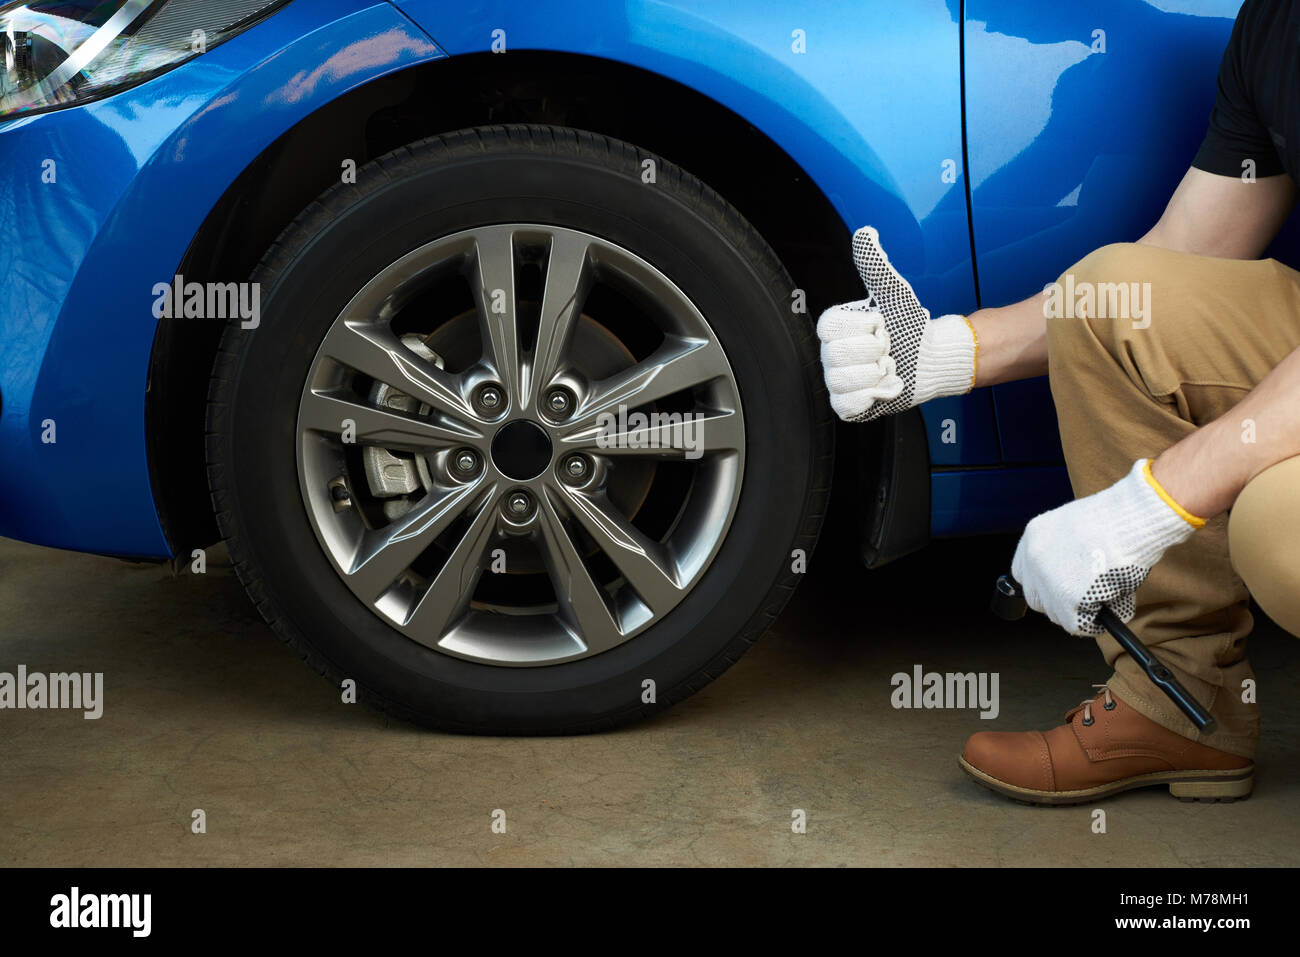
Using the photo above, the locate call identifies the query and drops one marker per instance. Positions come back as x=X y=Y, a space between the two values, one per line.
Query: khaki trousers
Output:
x=1128 y=387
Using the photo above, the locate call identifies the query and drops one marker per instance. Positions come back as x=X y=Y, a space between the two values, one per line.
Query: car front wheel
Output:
x=525 y=441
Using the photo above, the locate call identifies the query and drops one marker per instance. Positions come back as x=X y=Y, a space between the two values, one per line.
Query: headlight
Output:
x=55 y=53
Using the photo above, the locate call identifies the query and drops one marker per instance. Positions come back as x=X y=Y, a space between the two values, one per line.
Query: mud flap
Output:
x=894 y=466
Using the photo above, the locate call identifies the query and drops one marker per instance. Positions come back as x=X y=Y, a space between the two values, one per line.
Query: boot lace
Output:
x=1087 y=705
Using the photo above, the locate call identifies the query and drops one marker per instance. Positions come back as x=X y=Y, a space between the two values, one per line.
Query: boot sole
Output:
x=1209 y=786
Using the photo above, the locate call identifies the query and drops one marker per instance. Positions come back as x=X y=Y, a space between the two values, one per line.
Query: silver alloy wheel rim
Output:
x=437 y=419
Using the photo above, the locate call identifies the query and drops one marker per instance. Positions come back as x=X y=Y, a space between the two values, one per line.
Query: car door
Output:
x=1081 y=119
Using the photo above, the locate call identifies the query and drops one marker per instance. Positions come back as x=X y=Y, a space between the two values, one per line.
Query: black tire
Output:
x=552 y=176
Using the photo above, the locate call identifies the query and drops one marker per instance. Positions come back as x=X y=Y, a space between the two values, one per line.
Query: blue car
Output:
x=482 y=334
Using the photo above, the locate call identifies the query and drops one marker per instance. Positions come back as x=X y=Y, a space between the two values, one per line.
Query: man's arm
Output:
x=1206 y=471
x=868 y=374
x=1208 y=215
x=1223 y=216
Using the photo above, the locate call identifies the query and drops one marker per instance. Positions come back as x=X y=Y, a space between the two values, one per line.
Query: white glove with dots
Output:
x=883 y=354
x=1098 y=549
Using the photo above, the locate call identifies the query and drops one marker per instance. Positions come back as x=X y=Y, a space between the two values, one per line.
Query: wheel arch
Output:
x=584 y=92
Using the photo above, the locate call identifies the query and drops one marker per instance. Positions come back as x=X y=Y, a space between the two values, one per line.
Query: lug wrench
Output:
x=1009 y=604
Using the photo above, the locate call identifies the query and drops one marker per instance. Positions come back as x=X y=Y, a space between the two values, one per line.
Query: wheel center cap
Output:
x=521 y=450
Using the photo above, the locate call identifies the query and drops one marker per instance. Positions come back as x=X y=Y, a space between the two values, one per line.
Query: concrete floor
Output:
x=205 y=709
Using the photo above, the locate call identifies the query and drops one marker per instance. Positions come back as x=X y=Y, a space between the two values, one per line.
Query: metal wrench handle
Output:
x=1009 y=604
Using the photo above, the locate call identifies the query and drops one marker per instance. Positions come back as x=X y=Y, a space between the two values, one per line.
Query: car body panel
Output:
x=135 y=176
x=987 y=501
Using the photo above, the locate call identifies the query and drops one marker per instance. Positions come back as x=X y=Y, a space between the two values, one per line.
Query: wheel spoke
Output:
x=676 y=365
x=387 y=552
x=326 y=412
x=372 y=349
x=493 y=282
x=646 y=565
x=568 y=279
x=449 y=593
x=583 y=604
x=664 y=436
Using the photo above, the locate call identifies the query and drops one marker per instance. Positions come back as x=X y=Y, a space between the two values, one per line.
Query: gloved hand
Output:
x=883 y=354
x=1098 y=549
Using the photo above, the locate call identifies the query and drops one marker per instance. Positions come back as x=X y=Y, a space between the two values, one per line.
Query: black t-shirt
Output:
x=1257 y=111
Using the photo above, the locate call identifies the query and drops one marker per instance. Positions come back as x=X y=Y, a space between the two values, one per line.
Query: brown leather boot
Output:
x=1103 y=748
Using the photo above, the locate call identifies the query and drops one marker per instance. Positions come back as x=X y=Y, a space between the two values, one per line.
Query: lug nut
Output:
x=559 y=402
x=575 y=467
x=490 y=398
x=465 y=461
x=519 y=504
